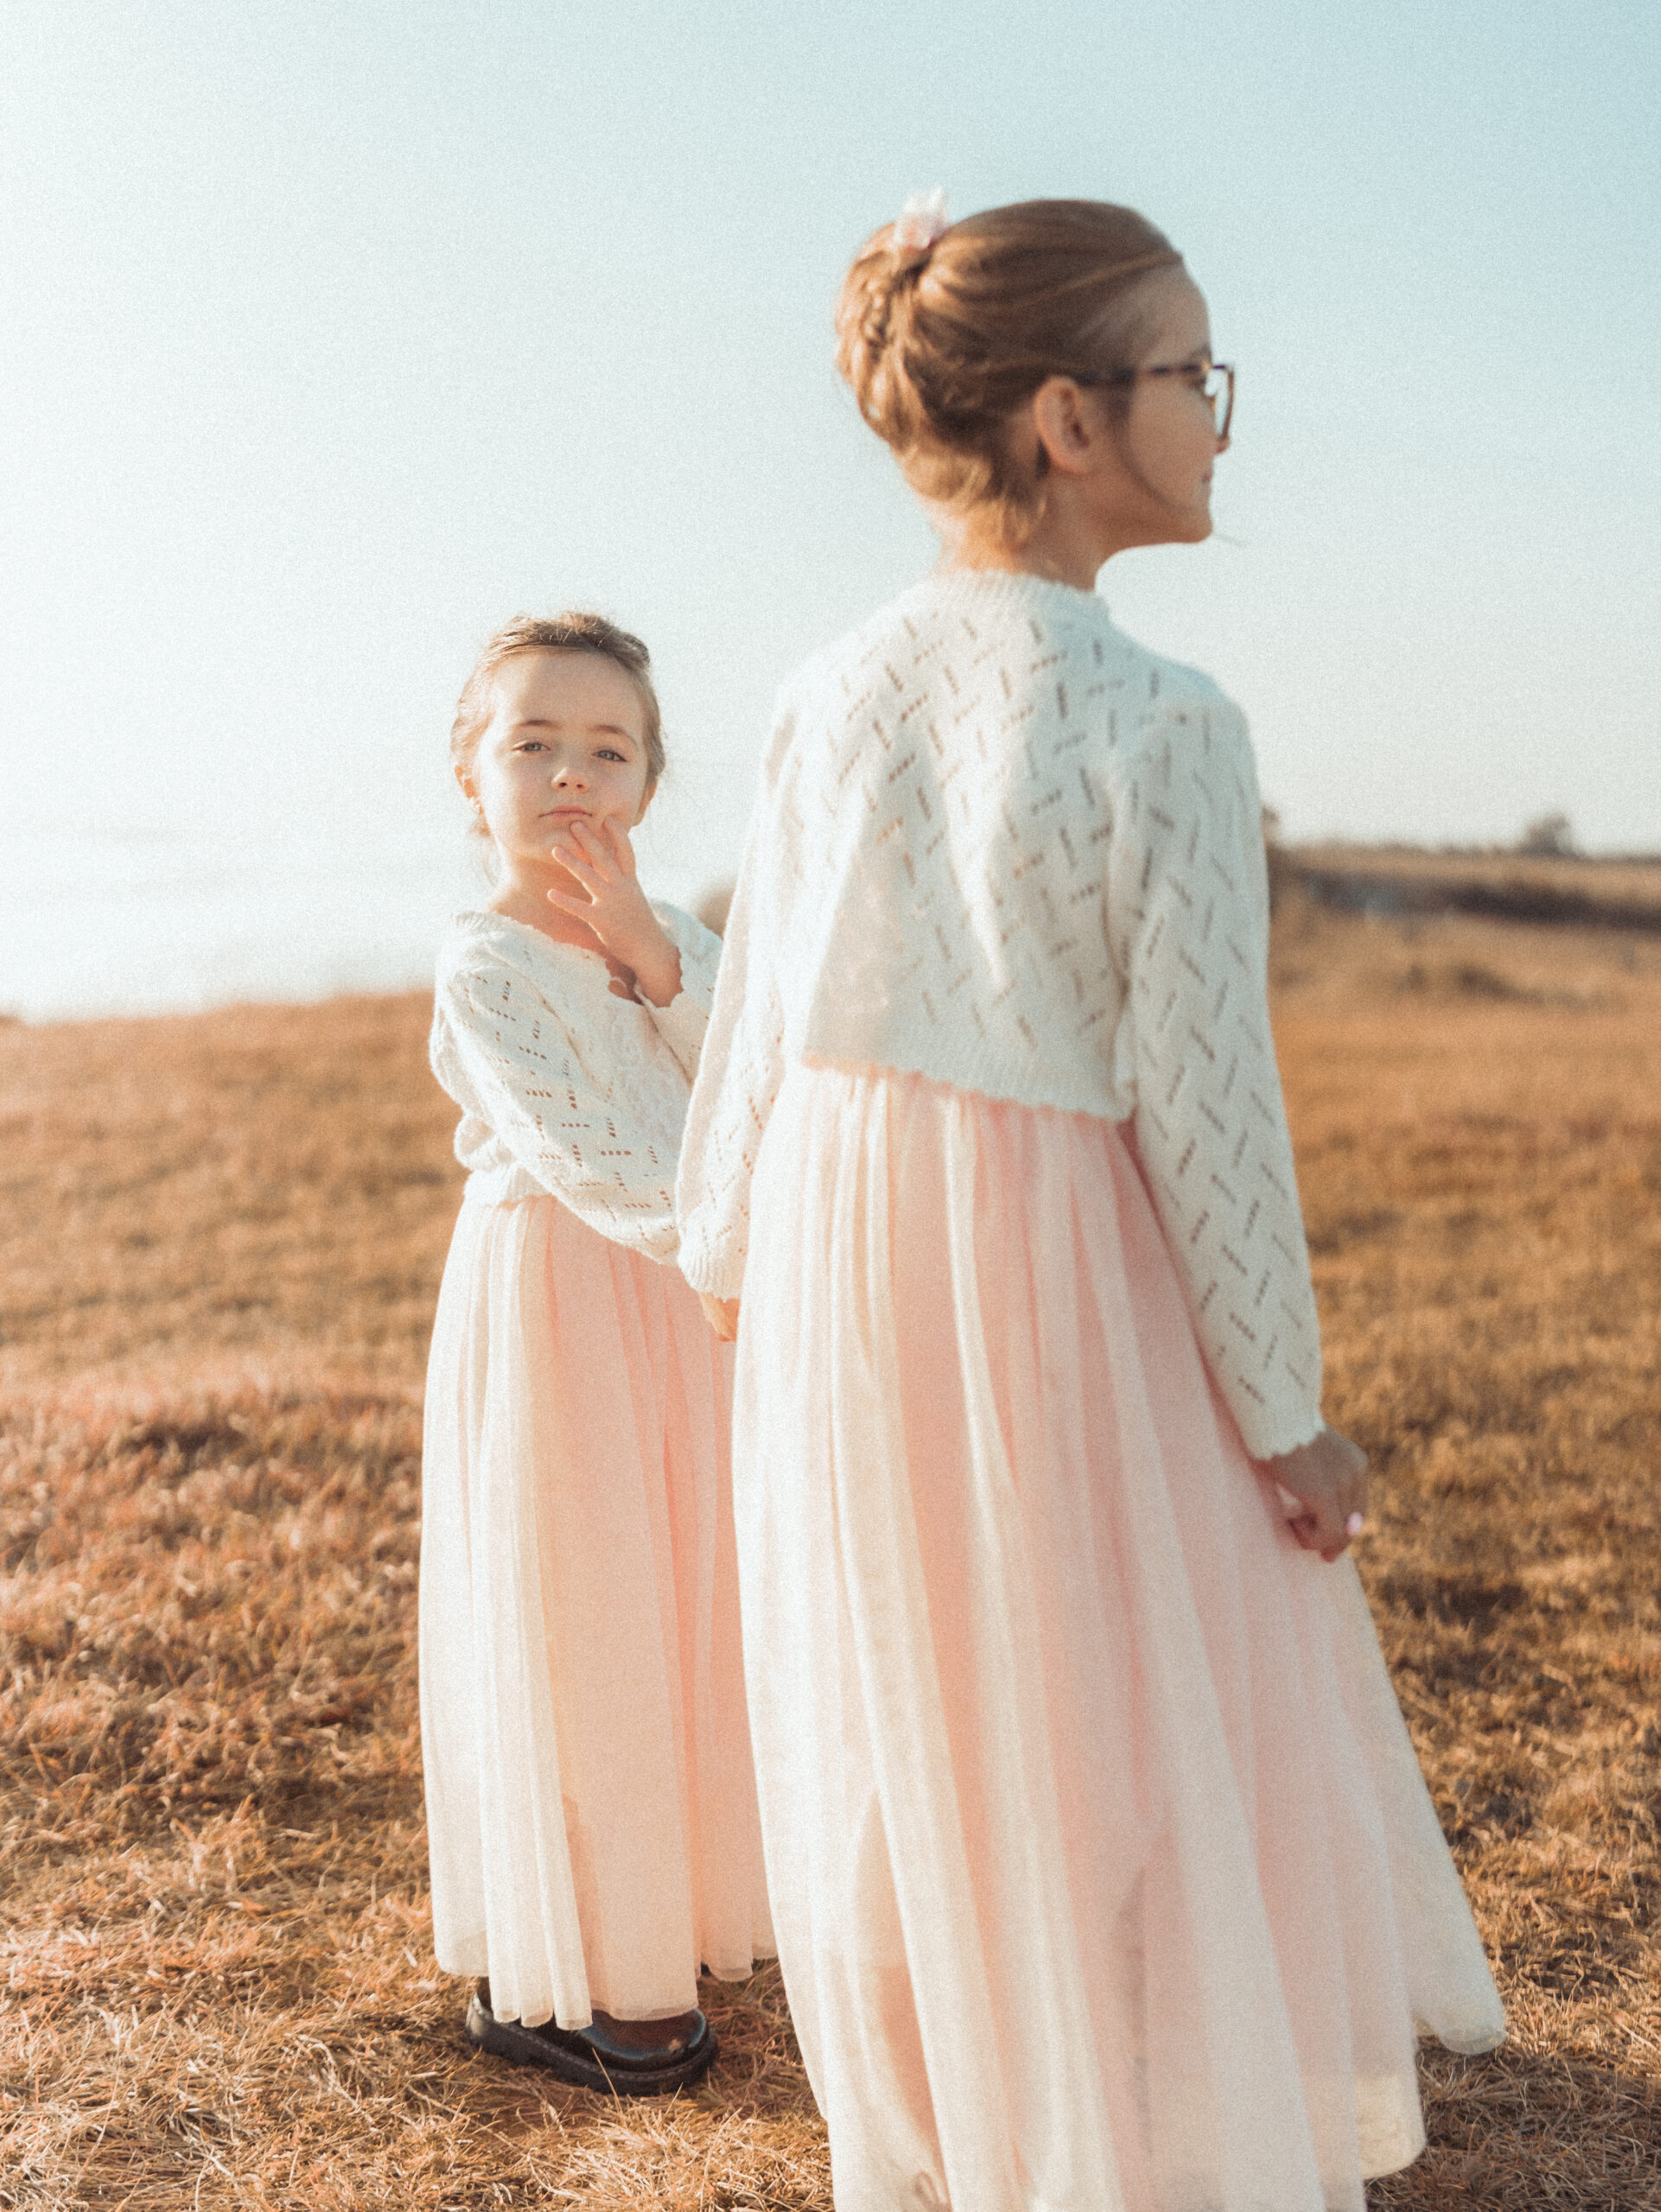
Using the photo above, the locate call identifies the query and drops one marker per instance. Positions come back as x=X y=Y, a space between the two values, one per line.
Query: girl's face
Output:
x=567 y=739
x=1169 y=440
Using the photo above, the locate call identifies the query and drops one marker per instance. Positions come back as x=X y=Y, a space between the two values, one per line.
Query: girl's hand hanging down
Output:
x=721 y=1314
x=1328 y=1478
x=601 y=860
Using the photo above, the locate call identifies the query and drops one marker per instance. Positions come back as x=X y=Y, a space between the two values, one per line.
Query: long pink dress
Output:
x=1107 y=1874
x=591 y=1809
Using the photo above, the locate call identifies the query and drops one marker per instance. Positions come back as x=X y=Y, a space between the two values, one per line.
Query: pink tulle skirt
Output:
x=1102 y=1872
x=591 y=1811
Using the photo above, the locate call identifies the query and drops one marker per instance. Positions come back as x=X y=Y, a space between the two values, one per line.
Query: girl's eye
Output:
x=610 y=752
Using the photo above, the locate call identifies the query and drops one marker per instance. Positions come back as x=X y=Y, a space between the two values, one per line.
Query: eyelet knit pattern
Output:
x=1000 y=845
x=565 y=1088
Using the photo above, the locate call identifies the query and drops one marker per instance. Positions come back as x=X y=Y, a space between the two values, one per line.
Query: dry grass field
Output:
x=220 y=1243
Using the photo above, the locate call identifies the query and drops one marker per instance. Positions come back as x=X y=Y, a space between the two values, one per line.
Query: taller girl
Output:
x=1102 y=1870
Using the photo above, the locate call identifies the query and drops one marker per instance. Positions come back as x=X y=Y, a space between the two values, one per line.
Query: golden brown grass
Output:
x=222 y=1241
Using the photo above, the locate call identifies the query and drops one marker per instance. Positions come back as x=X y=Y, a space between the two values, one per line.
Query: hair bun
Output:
x=882 y=275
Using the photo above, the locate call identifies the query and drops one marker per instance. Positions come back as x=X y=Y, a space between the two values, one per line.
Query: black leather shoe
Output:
x=589 y=2057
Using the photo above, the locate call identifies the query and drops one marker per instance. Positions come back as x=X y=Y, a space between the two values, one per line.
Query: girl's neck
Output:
x=524 y=899
x=1069 y=544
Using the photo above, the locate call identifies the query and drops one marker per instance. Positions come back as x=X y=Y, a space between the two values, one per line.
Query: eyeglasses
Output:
x=1214 y=380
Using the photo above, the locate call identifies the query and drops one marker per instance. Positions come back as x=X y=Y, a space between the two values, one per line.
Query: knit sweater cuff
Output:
x=713 y=1267
x=1267 y=1430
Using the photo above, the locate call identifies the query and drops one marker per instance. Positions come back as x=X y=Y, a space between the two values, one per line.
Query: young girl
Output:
x=590 y=1804
x=1102 y=1872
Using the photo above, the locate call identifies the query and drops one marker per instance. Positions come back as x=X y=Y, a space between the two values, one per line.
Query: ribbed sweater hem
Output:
x=986 y=1075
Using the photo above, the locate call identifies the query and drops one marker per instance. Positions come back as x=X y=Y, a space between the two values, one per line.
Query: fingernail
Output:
x=1354 y=1525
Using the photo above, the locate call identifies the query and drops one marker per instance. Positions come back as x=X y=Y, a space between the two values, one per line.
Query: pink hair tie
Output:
x=920 y=221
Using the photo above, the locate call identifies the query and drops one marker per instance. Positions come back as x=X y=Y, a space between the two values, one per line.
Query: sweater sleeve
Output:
x=683 y=1022
x=1189 y=917
x=503 y=1052
x=743 y=1061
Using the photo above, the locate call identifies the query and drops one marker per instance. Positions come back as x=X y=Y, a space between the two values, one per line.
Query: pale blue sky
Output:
x=334 y=334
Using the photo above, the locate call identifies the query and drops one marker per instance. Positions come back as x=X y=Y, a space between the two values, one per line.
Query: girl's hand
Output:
x=601 y=860
x=1328 y=1478
x=722 y=1314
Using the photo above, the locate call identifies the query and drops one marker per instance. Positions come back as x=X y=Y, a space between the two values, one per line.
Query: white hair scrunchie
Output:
x=921 y=220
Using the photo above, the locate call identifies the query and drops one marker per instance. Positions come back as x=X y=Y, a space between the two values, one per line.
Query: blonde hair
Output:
x=574 y=632
x=941 y=343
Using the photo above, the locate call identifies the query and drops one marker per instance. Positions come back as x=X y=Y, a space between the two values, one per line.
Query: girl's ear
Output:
x=1067 y=435
x=646 y=798
x=465 y=780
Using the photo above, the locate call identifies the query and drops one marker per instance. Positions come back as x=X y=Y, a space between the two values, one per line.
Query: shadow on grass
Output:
x=1524 y=2129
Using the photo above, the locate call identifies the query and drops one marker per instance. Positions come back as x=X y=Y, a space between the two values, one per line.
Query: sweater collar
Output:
x=990 y=592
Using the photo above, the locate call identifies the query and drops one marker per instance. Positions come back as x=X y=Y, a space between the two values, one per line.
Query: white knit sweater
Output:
x=566 y=1089
x=1001 y=846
